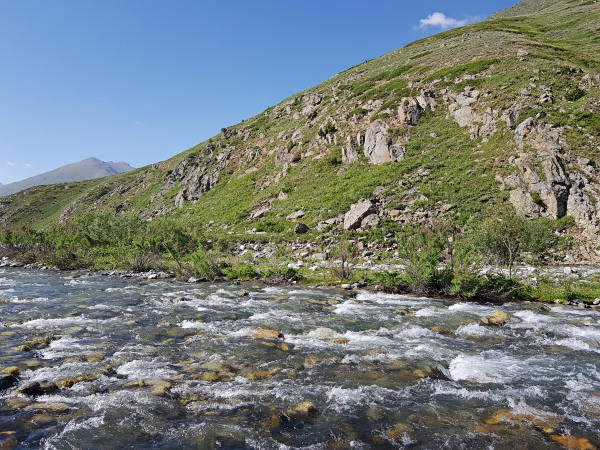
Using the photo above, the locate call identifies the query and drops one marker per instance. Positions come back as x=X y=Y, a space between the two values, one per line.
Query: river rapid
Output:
x=115 y=363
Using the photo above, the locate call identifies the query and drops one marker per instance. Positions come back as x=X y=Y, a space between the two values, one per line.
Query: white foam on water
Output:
x=100 y=306
x=449 y=388
x=64 y=346
x=488 y=367
x=341 y=399
x=114 y=289
x=272 y=444
x=429 y=312
x=146 y=370
x=68 y=370
x=279 y=316
x=303 y=292
x=77 y=282
x=41 y=324
x=414 y=332
x=29 y=300
x=474 y=329
x=351 y=307
x=531 y=317
x=571 y=311
x=471 y=308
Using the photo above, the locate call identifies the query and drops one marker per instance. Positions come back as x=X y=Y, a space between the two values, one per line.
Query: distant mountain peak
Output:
x=87 y=169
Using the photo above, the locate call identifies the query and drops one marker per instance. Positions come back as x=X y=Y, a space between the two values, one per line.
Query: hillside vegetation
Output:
x=501 y=116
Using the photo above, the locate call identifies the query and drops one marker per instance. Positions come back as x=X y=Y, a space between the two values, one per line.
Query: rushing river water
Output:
x=157 y=364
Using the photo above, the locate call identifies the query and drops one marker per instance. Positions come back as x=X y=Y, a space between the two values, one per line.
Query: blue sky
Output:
x=140 y=81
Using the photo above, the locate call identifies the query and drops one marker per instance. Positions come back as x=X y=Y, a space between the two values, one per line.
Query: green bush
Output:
x=574 y=94
x=243 y=272
x=423 y=247
x=282 y=274
x=205 y=265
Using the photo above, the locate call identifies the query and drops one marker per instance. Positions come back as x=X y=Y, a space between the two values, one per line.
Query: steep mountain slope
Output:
x=524 y=7
x=86 y=169
x=454 y=125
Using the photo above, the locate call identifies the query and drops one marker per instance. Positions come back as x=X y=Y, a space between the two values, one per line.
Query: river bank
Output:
x=559 y=282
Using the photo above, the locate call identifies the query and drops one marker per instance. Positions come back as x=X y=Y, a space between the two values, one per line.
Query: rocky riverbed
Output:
x=108 y=362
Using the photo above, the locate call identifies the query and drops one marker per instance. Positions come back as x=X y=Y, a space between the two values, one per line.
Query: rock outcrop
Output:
x=378 y=146
x=349 y=153
x=360 y=210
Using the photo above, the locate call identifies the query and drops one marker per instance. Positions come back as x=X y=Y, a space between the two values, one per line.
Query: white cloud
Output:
x=9 y=163
x=27 y=165
x=138 y=123
x=438 y=19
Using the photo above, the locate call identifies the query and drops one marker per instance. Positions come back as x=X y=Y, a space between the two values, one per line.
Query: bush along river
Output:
x=107 y=362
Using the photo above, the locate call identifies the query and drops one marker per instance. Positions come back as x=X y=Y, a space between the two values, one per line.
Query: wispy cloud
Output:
x=9 y=163
x=27 y=165
x=438 y=19
x=138 y=123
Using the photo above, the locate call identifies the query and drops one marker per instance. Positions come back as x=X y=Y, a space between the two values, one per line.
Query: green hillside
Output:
x=458 y=125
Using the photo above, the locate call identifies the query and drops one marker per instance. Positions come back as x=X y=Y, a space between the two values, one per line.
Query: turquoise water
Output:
x=162 y=364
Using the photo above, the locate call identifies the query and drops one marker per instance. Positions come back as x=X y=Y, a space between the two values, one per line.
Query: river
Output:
x=115 y=363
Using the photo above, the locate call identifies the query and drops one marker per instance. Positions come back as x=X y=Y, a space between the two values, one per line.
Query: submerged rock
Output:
x=398 y=431
x=540 y=420
x=573 y=443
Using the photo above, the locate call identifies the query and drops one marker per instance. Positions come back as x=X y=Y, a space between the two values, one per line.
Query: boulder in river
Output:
x=7 y=380
x=35 y=388
x=306 y=408
x=12 y=370
x=259 y=333
x=495 y=318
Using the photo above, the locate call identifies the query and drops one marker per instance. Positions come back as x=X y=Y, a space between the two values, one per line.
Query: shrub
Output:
x=243 y=271
x=423 y=247
x=574 y=94
x=205 y=265
x=282 y=275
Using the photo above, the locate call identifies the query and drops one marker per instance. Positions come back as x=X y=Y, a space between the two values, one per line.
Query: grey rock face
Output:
x=295 y=215
x=349 y=153
x=524 y=204
x=527 y=127
x=580 y=208
x=180 y=199
x=358 y=211
x=554 y=197
x=284 y=157
x=586 y=165
x=378 y=146
x=464 y=116
x=259 y=213
x=409 y=111
x=372 y=220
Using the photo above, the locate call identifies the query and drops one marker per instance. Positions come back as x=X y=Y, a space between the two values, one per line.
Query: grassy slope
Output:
x=462 y=171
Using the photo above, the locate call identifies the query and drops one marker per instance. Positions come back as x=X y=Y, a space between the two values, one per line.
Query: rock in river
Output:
x=495 y=318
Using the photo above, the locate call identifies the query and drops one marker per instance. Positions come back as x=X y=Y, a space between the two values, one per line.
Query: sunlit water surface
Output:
x=142 y=368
